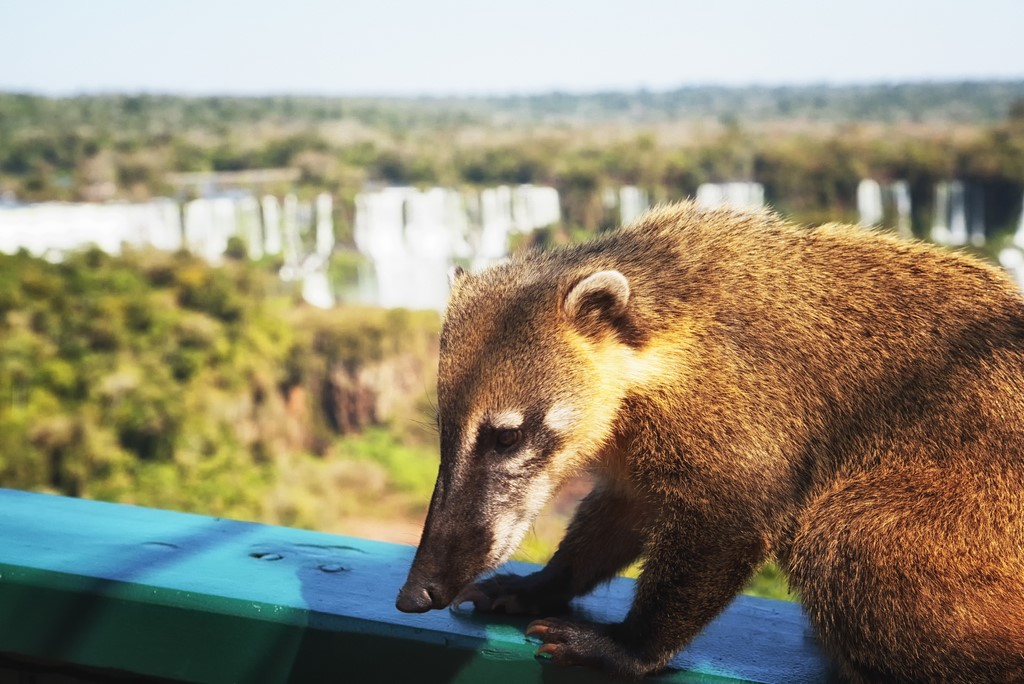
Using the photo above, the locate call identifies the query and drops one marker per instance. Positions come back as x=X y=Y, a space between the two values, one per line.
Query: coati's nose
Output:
x=414 y=598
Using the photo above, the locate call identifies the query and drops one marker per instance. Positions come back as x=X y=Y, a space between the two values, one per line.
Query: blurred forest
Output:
x=158 y=379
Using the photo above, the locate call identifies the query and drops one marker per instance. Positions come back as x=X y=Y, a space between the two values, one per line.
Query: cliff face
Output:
x=377 y=393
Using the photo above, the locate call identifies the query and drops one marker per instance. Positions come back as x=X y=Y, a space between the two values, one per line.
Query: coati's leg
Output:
x=916 y=574
x=693 y=567
x=602 y=539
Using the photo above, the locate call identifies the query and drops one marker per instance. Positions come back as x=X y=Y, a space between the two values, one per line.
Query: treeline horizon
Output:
x=953 y=100
x=809 y=146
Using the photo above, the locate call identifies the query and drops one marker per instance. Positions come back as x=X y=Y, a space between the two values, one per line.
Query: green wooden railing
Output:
x=92 y=591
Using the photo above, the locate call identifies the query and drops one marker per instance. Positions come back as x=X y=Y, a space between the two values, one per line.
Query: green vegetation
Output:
x=157 y=379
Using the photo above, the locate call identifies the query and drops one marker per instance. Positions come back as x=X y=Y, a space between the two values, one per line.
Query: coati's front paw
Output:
x=589 y=644
x=515 y=594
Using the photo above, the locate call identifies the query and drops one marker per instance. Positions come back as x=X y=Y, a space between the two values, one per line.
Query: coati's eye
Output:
x=506 y=439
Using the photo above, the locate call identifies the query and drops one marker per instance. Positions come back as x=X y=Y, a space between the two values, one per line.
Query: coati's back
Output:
x=835 y=311
x=845 y=336
x=735 y=380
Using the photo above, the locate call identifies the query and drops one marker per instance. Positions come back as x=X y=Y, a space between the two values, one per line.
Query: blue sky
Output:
x=443 y=47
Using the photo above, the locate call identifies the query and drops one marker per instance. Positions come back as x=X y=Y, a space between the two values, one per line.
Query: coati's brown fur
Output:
x=743 y=389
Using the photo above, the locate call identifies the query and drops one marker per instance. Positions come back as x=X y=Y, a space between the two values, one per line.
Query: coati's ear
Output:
x=455 y=274
x=600 y=296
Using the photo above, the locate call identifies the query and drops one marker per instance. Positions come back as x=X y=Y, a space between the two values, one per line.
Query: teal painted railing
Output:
x=101 y=589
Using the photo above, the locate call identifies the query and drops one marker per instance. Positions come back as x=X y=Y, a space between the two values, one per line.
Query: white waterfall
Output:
x=379 y=234
x=290 y=230
x=303 y=262
x=249 y=226
x=737 y=194
x=413 y=237
x=495 y=226
x=957 y=214
x=941 y=232
x=410 y=237
x=869 y=202
x=1018 y=237
x=633 y=202
x=209 y=224
x=976 y=213
x=885 y=204
x=1012 y=257
x=901 y=200
x=271 y=225
x=203 y=226
x=52 y=228
x=324 y=225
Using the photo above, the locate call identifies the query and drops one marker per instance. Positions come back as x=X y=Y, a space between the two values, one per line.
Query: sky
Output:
x=449 y=47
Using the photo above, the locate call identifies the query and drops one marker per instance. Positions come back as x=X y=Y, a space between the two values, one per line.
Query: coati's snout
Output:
x=490 y=488
x=447 y=558
x=428 y=587
x=417 y=598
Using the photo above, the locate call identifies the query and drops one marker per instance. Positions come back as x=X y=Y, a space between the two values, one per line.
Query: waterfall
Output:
x=290 y=231
x=324 y=225
x=248 y=211
x=976 y=211
x=957 y=214
x=302 y=263
x=198 y=227
x=495 y=226
x=876 y=201
x=1018 y=238
x=1012 y=258
x=316 y=285
x=633 y=202
x=901 y=201
x=941 y=232
x=52 y=228
x=271 y=225
x=409 y=237
x=412 y=237
x=737 y=194
x=379 y=235
x=209 y=223
x=869 y=202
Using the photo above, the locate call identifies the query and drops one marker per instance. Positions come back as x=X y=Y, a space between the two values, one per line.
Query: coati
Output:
x=847 y=403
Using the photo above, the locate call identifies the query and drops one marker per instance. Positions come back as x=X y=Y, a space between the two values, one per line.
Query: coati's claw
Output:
x=514 y=595
x=565 y=642
x=472 y=594
x=537 y=628
x=572 y=643
x=508 y=604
